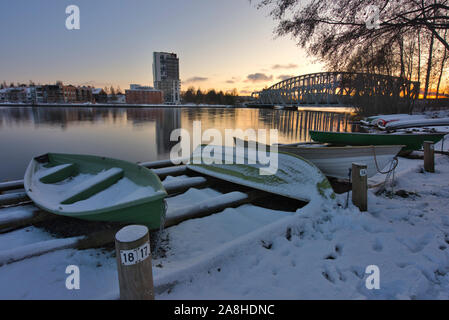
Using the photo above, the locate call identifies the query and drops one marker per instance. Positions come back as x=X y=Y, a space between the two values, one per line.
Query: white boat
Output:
x=403 y=124
x=336 y=162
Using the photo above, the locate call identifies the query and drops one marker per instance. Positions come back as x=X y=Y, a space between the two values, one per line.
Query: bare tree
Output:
x=337 y=31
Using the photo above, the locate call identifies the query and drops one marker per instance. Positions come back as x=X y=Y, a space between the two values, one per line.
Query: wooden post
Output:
x=429 y=158
x=360 y=186
x=132 y=246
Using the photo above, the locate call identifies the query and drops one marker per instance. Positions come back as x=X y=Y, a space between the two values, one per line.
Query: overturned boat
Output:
x=287 y=175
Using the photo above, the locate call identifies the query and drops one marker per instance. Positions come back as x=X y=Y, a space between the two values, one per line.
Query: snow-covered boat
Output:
x=284 y=174
x=414 y=123
x=95 y=188
x=412 y=141
x=336 y=162
x=383 y=120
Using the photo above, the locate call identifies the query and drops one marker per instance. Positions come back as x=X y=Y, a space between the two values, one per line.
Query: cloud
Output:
x=233 y=80
x=285 y=76
x=257 y=77
x=284 y=66
x=196 y=79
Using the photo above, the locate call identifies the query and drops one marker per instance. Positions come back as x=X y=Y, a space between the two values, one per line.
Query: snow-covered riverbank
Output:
x=320 y=252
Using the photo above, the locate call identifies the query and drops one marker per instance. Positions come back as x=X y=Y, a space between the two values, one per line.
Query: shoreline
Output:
x=115 y=105
x=328 y=108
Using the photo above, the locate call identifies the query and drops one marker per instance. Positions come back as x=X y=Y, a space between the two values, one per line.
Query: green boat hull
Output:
x=411 y=141
x=147 y=209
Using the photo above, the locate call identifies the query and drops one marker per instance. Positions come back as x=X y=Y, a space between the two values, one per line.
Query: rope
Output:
x=390 y=176
x=347 y=195
x=395 y=161
x=390 y=172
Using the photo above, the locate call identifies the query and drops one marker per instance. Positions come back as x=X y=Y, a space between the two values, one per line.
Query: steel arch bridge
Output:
x=335 y=88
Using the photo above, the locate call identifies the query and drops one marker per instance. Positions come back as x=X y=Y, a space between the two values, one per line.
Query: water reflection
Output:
x=136 y=134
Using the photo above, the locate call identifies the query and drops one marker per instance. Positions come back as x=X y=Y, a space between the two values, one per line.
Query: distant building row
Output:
x=167 y=89
x=57 y=93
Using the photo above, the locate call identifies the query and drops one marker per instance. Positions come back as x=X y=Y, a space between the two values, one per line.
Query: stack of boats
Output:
x=403 y=121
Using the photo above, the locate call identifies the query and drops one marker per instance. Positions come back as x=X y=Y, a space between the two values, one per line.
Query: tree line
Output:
x=210 y=96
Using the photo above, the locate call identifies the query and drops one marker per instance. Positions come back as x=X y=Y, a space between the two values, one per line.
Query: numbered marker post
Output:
x=429 y=156
x=135 y=274
x=360 y=186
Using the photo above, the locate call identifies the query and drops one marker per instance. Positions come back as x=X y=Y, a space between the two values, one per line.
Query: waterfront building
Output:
x=3 y=95
x=99 y=95
x=84 y=94
x=54 y=93
x=121 y=98
x=166 y=76
x=16 y=95
x=138 y=94
x=39 y=94
x=69 y=93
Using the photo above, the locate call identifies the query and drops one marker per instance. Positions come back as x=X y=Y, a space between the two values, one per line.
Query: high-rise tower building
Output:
x=166 y=76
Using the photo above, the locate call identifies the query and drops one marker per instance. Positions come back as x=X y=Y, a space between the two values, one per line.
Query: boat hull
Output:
x=410 y=141
x=336 y=162
x=293 y=177
x=404 y=124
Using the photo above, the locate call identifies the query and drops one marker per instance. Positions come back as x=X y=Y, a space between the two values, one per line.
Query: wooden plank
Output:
x=19 y=221
x=177 y=186
x=170 y=171
x=36 y=249
x=210 y=206
x=13 y=198
x=11 y=185
x=160 y=163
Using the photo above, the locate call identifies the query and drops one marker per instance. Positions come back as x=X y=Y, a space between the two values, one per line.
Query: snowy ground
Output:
x=320 y=252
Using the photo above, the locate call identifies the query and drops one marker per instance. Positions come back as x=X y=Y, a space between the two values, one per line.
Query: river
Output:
x=138 y=134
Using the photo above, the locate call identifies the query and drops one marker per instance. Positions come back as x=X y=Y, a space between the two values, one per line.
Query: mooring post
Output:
x=429 y=156
x=360 y=186
x=135 y=274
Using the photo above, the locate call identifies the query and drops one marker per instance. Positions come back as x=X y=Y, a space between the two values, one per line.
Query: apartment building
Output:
x=166 y=76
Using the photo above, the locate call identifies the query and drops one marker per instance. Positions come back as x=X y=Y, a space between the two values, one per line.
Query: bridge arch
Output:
x=335 y=88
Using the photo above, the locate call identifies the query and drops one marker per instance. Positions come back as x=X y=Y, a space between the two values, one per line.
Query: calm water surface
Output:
x=136 y=134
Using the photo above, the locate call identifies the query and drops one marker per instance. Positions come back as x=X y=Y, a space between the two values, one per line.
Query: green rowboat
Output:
x=412 y=141
x=96 y=188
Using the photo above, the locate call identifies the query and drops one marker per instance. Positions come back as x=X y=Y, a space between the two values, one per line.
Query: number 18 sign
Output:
x=134 y=256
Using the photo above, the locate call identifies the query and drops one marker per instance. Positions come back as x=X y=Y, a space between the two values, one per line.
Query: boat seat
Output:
x=58 y=173
x=94 y=185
